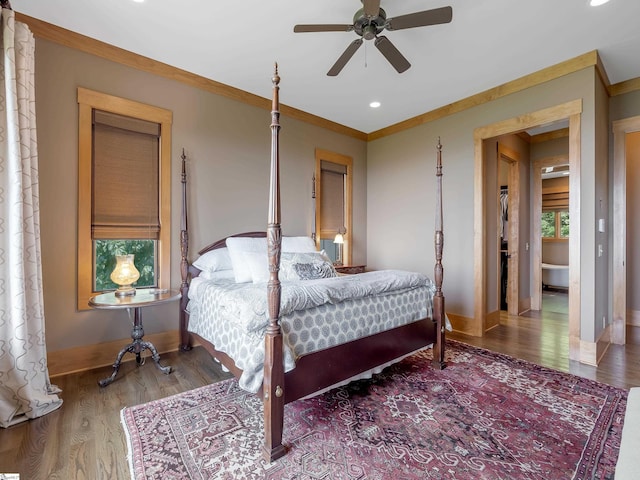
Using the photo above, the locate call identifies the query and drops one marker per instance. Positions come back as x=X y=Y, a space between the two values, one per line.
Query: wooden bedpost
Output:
x=438 y=300
x=185 y=338
x=273 y=383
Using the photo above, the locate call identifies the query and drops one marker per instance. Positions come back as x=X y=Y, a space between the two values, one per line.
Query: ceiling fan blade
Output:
x=392 y=54
x=323 y=28
x=420 y=19
x=344 y=58
x=371 y=8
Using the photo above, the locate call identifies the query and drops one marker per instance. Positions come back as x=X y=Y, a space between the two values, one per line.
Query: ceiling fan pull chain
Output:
x=365 y=56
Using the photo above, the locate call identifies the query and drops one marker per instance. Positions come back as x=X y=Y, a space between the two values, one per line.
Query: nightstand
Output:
x=350 y=269
x=144 y=297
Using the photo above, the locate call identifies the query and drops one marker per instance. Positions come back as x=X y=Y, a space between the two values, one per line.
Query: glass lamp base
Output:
x=125 y=291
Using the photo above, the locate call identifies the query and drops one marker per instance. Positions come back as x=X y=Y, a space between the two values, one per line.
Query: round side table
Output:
x=144 y=297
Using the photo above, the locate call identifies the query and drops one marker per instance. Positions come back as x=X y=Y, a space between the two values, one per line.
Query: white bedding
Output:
x=315 y=314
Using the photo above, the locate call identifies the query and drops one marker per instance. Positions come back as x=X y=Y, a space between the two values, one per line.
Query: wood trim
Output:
x=633 y=318
x=100 y=49
x=602 y=72
x=493 y=319
x=513 y=282
x=619 y=234
x=88 y=357
x=575 y=291
x=571 y=110
x=592 y=352
x=87 y=101
x=545 y=137
x=462 y=324
x=530 y=120
x=536 y=234
x=624 y=87
x=524 y=305
x=95 y=47
x=567 y=67
x=348 y=162
x=84 y=248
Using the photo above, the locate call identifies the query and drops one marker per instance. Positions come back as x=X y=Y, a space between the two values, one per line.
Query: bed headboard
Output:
x=223 y=241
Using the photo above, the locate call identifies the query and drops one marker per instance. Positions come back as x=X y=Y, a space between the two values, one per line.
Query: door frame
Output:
x=619 y=229
x=513 y=235
x=571 y=110
x=536 y=231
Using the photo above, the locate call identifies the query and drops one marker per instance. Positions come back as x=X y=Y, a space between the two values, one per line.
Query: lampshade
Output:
x=339 y=238
x=124 y=275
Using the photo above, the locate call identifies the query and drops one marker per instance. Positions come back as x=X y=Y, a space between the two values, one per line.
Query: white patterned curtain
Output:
x=25 y=388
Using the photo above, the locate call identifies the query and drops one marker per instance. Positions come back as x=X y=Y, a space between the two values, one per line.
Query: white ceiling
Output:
x=488 y=43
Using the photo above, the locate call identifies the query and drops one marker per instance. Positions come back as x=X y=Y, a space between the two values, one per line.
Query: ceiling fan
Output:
x=369 y=22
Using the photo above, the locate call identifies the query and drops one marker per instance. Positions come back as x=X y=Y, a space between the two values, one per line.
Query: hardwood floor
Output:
x=542 y=338
x=84 y=439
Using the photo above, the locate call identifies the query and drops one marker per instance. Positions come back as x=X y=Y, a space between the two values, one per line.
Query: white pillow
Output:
x=298 y=244
x=214 y=260
x=237 y=247
x=219 y=275
x=258 y=265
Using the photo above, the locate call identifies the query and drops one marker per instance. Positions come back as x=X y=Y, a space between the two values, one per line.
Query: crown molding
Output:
x=67 y=38
x=95 y=47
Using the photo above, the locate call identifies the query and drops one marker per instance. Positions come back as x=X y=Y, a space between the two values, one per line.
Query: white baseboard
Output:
x=87 y=357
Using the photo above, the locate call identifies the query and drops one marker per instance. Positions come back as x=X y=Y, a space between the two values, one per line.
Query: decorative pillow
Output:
x=293 y=266
x=298 y=244
x=214 y=261
x=238 y=246
x=306 y=266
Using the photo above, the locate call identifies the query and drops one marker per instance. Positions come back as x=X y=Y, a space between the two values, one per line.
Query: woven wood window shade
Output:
x=125 y=178
x=555 y=194
x=333 y=196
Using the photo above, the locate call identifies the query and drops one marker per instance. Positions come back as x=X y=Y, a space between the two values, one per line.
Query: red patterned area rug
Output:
x=486 y=416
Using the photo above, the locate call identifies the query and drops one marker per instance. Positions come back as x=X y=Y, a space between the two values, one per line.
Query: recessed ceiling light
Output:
x=374 y=104
x=597 y=3
x=138 y=1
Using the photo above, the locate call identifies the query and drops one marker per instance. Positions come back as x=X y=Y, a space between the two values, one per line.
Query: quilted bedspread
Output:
x=315 y=314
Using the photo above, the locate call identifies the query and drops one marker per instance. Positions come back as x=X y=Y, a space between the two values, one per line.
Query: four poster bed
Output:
x=316 y=329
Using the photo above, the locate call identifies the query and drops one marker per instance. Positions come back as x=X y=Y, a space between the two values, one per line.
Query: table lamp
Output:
x=124 y=275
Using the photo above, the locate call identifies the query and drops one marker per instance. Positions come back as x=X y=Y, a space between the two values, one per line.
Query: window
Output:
x=555 y=225
x=124 y=167
x=333 y=203
x=555 y=207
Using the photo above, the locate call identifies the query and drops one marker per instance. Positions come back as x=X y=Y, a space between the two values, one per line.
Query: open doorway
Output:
x=509 y=228
x=551 y=233
x=550 y=227
x=626 y=266
x=571 y=111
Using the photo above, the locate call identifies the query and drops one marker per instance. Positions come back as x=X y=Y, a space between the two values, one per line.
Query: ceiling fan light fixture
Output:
x=369 y=22
x=369 y=32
